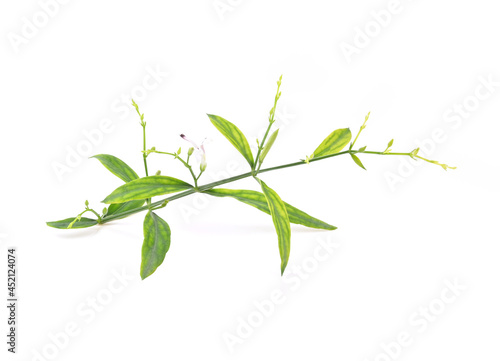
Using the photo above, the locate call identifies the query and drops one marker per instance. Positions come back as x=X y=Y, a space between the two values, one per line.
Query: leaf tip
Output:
x=283 y=267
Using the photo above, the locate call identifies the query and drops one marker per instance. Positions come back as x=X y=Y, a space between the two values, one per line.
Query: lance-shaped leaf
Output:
x=234 y=135
x=334 y=143
x=268 y=145
x=258 y=200
x=146 y=187
x=281 y=222
x=125 y=173
x=156 y=243
x=116 y=166
x=82 y=223
x=357 y=161
x=116 y=208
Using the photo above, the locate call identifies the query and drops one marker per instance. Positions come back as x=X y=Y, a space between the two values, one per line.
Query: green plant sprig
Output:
x=264 y=147
x=184 y=162
x=129 y=198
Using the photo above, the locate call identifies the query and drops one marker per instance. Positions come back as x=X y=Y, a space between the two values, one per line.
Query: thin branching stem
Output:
x=209 y=186
x=185 y=163
x=272 y=113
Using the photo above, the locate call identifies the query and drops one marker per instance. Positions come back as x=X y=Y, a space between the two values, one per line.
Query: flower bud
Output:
x=190 y=151
x=203 y=164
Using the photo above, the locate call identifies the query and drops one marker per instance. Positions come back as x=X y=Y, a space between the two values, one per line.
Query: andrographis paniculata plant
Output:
x=135 y=195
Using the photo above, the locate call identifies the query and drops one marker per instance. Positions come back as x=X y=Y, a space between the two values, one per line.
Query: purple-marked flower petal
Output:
x=190 y=141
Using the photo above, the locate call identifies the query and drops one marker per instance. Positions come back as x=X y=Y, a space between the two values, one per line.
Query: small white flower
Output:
x=199 y=152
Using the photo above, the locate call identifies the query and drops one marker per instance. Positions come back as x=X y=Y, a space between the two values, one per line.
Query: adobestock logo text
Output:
x=31 y=26
x=363 y=36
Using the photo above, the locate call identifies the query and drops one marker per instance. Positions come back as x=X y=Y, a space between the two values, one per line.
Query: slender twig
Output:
x=77 y=218
x=144 y=154
x=360 y=130
x=258 y=163
x=209 y=186
x=185 y=163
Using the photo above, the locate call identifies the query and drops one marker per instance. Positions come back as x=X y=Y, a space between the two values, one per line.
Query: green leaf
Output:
x=281 y=222
x=63 y=224
x=116 y=166
x=125 y=173
x=389 y=145
x=234 y=135
x=258 y=200
x=268 y=145
x=334 y=143
x=146 y=187
x=156 y=243
x=357 y=161
x=123 y=207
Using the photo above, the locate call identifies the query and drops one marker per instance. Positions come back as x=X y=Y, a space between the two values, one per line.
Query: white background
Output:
x=398 y=246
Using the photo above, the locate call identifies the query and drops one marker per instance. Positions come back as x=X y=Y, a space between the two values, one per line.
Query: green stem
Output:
x=271 y=122
x=99 y=219
x=261 y=145
x=186 y=164
x=144 y=155
x=209 y=186
x=360 y=130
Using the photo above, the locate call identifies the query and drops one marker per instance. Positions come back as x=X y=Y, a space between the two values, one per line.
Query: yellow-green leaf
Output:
x=146 y=187
x=116 y=208
x=125 y=173
x=357 y=161
x=156 y=243
x=116 y=166
x=234 y=135
x=258 y=200
x=281 y=222
x=334 y=143
x=268 y=145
